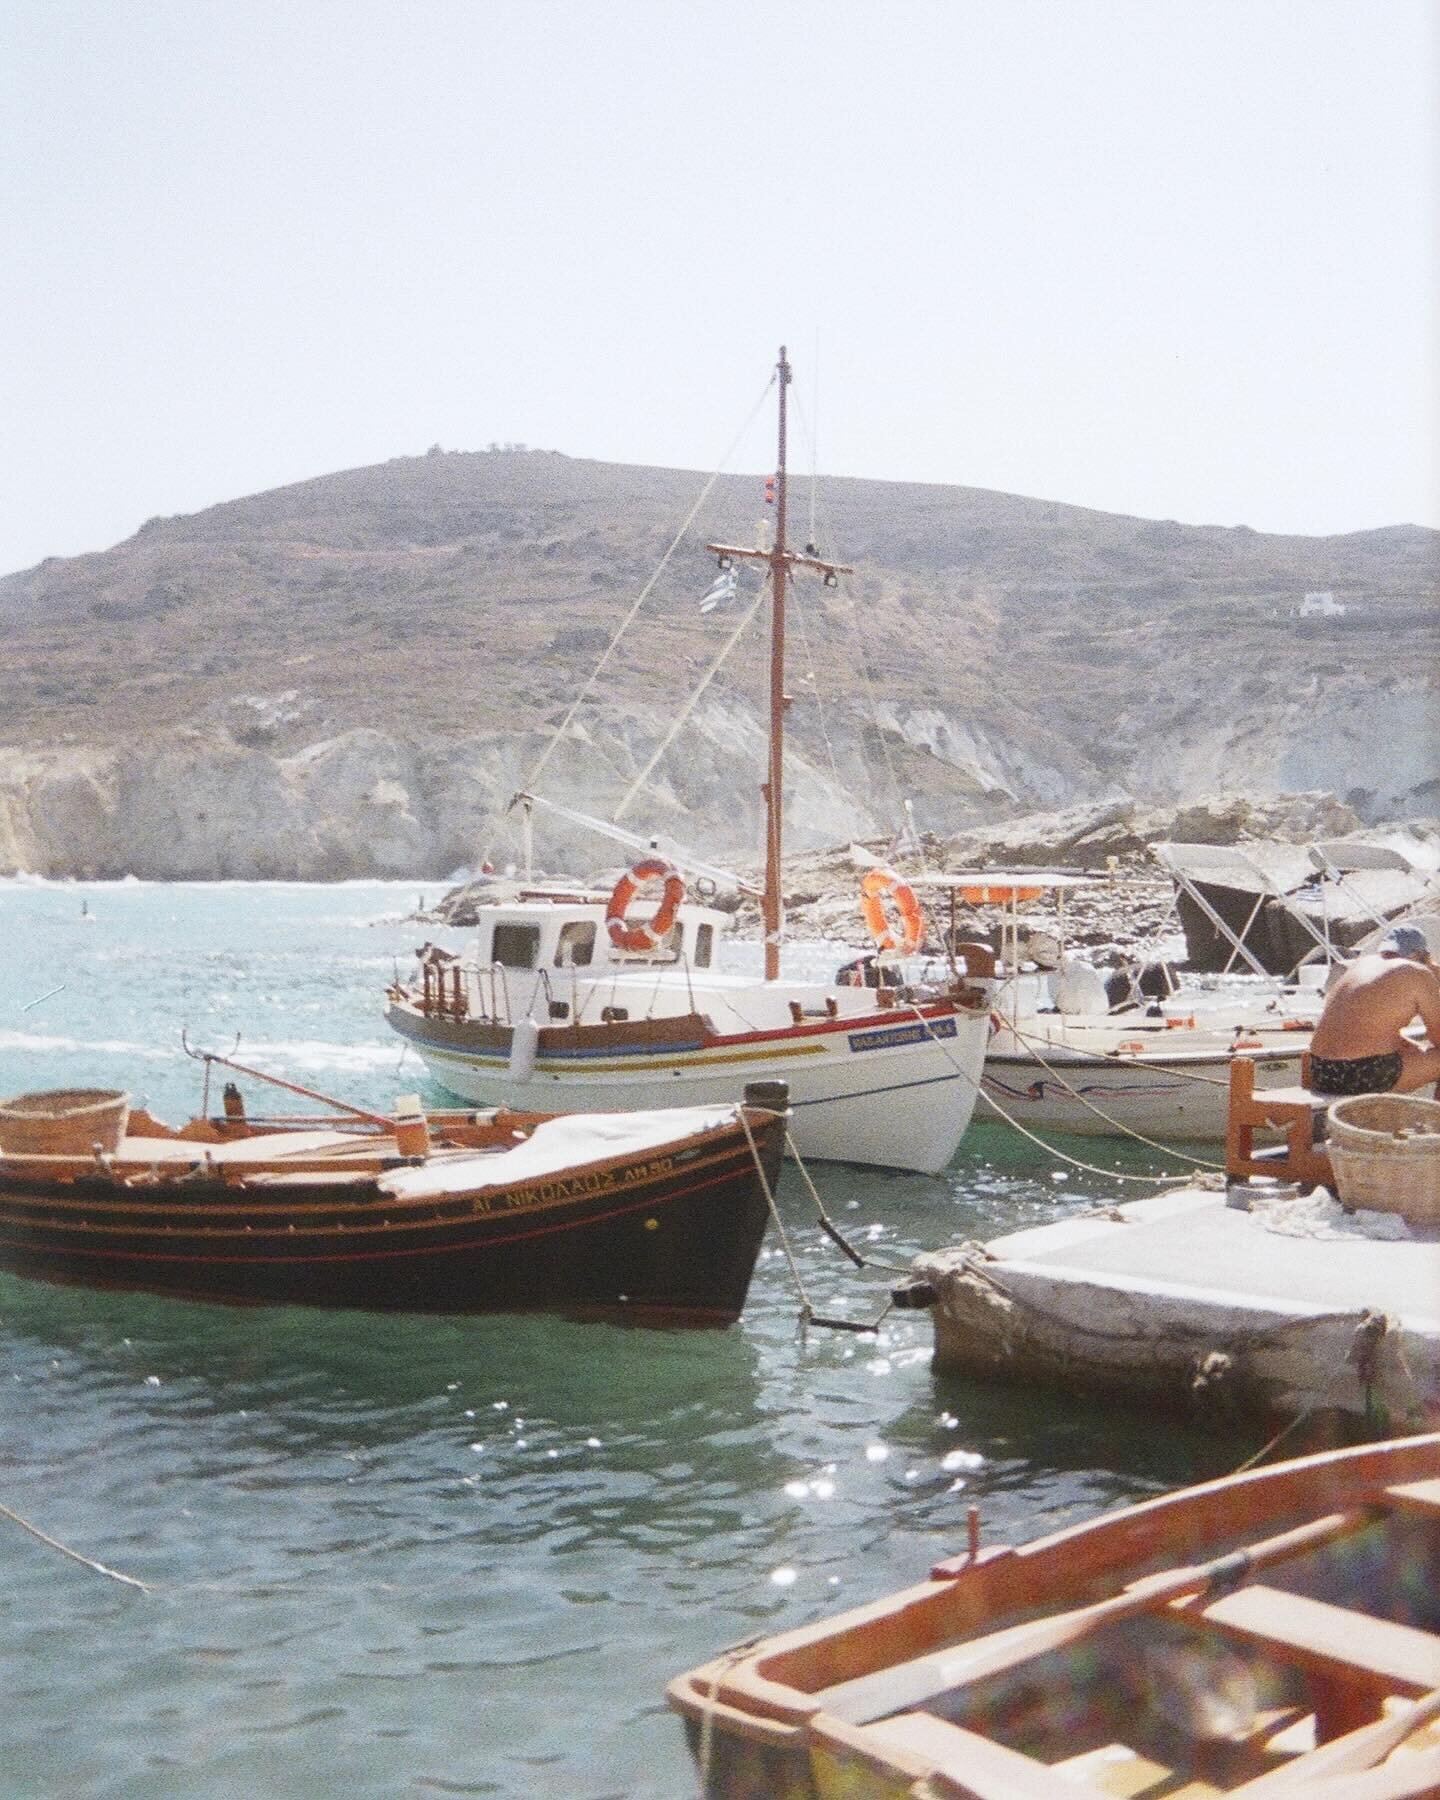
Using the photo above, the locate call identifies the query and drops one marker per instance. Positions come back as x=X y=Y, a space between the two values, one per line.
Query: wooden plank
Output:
x=967 y=1766
x=1416 y=1496
x=1329 y=1640
x=1267 y=1098
x=911 y=1686
x=1344 y=1756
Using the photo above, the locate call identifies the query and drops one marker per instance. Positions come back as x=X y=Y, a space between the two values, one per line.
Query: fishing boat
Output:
x=1273 y=1632
x=578 y=999
x=648 y=1217
x=1072 y=1050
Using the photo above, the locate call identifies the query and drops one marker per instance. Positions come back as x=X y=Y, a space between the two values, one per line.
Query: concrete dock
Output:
x=1189 y=1301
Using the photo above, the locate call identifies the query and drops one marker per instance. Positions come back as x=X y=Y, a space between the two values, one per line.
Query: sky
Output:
x=1175 y=258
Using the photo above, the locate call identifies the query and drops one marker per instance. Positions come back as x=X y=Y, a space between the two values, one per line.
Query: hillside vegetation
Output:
x=351 y=674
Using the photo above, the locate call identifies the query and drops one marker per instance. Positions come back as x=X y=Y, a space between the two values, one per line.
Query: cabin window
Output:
x=576 y=949
x=704 y=945
x=516 y=946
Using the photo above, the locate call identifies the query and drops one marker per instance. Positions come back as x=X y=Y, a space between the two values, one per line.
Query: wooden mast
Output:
x=773 y=908
x=781 y=560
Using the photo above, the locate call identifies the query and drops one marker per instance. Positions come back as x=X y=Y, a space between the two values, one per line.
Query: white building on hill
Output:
x=1321 y=606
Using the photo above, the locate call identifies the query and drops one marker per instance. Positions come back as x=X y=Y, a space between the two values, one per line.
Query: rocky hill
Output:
x=353 y=674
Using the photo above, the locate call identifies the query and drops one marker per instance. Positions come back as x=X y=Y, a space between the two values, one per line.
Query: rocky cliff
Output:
x=353 y=675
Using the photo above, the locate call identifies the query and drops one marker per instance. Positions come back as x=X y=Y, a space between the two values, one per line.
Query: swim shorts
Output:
x=1354 y=1074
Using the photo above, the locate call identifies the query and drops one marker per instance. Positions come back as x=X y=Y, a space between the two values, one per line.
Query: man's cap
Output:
x=1404 y=940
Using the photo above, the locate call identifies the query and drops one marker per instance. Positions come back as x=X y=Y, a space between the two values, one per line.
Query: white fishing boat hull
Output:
x=1181 y=1098
x=888 y=1089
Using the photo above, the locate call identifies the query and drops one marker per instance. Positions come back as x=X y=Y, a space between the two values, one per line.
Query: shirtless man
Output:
x=1358 y=1047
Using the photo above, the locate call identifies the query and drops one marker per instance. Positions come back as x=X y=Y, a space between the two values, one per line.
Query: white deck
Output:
x=1145 y=1299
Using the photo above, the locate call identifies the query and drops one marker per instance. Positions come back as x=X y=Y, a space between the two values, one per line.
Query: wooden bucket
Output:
x=1385 y=1151
x=63 y=1122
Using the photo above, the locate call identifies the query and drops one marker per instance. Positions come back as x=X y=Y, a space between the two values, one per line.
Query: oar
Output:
x=1346 y=1755
x=928 y=1678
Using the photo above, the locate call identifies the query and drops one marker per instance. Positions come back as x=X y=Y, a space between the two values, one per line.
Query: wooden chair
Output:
x=1291 y=1110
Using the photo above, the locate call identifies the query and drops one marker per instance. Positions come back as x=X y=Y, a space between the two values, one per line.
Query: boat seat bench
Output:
x=956 y=1763
x=1331 y=1640
x=1416 y=1496
x=1351 y=1659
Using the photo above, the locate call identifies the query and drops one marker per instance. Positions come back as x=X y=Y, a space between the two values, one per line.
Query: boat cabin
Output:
x=572 y=934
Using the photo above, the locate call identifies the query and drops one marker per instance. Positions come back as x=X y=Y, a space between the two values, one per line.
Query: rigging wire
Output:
x=864 y=660
x=683 y=715
x=644 y=593
x=799 y=616
x=872 y=705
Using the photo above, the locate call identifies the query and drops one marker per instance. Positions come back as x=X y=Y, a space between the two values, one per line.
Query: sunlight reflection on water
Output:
x=459 y=1552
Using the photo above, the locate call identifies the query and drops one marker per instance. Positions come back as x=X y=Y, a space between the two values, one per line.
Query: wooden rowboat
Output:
x=652 y=1217
x=1273 y=1633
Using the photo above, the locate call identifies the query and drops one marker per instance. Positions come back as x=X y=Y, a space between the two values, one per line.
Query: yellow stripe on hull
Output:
x=689 y=1059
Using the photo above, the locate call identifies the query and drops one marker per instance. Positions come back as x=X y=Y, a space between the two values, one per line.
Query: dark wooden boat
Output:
x=652 y=1217
x=1275 y=1632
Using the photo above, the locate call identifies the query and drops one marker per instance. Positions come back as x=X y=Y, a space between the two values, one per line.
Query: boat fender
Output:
x=644 y=935
x=878 y=886
x=524 y=1042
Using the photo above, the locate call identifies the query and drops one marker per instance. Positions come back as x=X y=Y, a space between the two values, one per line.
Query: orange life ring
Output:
x=644 y=934
x=877 y=886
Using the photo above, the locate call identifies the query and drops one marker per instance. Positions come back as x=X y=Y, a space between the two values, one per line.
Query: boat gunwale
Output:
x=721 y=1141
x=1127 y=1541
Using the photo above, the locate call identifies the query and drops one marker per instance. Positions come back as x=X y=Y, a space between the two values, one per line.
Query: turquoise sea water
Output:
x=390 y=1556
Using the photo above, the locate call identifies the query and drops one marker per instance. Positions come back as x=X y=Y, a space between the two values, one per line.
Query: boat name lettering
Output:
x=578 y=1187
x=894 y=1035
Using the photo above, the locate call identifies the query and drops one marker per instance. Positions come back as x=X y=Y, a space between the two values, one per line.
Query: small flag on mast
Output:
x=721 y=590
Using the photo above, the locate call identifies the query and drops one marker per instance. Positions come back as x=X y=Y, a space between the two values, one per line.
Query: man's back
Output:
x=1371 y=1002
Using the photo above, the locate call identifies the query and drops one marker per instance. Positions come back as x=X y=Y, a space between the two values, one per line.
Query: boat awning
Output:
x=1002 y=887
x=1259 y=868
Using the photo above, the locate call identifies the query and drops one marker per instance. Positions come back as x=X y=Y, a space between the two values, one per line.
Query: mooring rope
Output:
x=769 y=1193
x=808 y=1314
x=1129 y=1131
x=75 y=1556
x=1075 y=1162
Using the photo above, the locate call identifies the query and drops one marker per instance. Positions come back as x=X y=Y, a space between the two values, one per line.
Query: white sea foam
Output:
x=37 y=1044
x=314 y=1053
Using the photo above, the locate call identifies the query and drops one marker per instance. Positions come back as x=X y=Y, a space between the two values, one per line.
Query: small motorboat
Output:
x=649 y=1217
x=1275 y=1632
